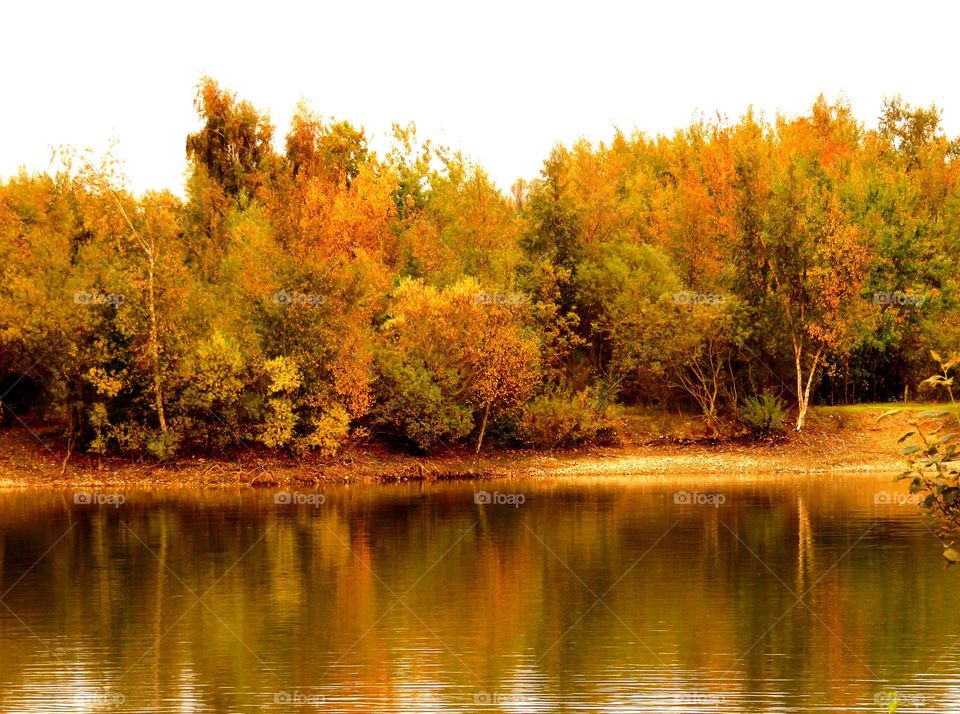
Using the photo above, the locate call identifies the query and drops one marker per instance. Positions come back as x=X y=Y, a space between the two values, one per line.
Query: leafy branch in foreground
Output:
x=931 y=452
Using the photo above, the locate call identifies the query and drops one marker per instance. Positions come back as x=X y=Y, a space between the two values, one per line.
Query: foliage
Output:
x=931 y=451
x=762 y=414
x=450 y=359
x=412 y=405
x=296 y=295
x=558 y=420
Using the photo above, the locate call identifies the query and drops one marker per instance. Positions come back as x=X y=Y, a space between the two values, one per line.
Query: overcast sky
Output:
x=502 y=81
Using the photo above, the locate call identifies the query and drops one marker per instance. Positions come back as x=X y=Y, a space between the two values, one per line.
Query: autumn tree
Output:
x=817 y=266
x=231 y=158
x=449 y=360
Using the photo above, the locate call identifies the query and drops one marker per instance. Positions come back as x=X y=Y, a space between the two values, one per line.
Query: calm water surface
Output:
x=780 y=594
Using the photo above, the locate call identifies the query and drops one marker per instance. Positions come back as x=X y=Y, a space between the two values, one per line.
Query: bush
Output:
x=414 y=407
x=212 y=406
x=763 y=414
x=330 y=432
x=564 y=420
x=451 y=363
x=163 y=446
x=294 y=419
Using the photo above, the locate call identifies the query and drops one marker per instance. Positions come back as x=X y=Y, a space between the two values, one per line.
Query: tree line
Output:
x=305 y=296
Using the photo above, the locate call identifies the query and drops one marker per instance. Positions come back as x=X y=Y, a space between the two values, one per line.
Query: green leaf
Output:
x=907 y=450
x=905 y=437
x=934 y=414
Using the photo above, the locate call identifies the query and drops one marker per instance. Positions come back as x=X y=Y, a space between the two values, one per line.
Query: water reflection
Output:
x=783 y=594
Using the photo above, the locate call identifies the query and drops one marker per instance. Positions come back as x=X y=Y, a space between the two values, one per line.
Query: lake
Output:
x=617 y=594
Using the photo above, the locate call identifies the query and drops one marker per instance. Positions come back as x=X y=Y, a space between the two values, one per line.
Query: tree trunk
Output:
x=150 y=251
x=155 y=349
x=803 y=392
x=70 y=440
x=483 y=427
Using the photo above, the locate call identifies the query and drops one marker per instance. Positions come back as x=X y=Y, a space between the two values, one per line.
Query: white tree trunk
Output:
x=803 y=390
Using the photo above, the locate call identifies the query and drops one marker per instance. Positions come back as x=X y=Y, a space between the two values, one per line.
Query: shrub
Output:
x=163 y=446
x=330 y=432
x=294 y=418
x=283 y=383
x=450 y=363
x=563 y=420
x=412 y=405
x=763 y=414
x=212 y=404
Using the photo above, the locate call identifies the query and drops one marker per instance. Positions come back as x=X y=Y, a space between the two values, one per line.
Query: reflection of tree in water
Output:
x=312 y=596
x=804 y=546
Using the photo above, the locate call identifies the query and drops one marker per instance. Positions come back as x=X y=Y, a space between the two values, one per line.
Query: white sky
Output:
x=502 y=81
